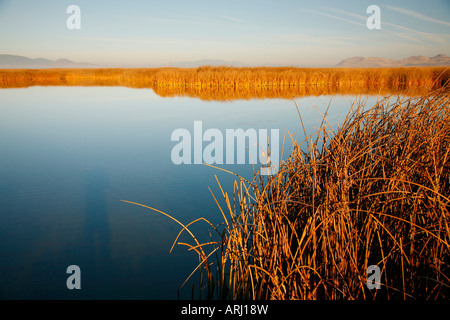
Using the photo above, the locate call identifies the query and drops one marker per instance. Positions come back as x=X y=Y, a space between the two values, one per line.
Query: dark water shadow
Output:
x=97 y=238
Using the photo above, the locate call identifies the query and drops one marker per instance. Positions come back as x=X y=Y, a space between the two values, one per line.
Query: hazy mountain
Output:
x=205 y=62
x=9 y=61
x=374 y=62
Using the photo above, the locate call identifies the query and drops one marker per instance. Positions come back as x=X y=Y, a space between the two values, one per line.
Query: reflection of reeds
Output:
x=227 y=83
x=230 y=93
x=375 y=192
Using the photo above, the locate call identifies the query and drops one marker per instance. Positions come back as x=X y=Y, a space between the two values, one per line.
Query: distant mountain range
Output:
x=414 y=61
x=8 y=61
x=205 y=62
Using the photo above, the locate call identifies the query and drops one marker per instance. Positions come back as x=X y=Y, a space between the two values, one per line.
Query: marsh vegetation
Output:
x=228 y=83
x=374 y=192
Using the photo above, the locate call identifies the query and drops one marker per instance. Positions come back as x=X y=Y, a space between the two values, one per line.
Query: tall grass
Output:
x=226 y=83
x=374 y=192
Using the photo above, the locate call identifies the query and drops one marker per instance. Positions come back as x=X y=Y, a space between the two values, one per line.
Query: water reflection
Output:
x=231 y=94
x=96 y=226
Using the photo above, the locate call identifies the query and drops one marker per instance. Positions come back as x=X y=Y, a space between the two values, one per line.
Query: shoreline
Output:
x=229 y=83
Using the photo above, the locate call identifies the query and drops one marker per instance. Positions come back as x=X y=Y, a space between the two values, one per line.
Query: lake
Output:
x=68 y=155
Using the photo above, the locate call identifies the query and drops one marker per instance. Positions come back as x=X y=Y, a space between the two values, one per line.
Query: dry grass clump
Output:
x=375 y=192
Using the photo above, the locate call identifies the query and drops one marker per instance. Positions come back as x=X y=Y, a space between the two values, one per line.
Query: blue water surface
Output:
x=68 y=155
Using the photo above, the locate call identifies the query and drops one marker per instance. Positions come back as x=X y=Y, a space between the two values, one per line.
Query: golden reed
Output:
x=228 y=83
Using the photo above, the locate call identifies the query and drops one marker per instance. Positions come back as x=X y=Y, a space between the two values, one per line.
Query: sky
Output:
x=277 y=32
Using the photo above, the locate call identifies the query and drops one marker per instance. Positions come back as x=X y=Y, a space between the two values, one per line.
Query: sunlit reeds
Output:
x=374 y=192
x=227 y=83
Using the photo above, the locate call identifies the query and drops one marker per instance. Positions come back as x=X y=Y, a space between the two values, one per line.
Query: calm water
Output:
x=68 y=155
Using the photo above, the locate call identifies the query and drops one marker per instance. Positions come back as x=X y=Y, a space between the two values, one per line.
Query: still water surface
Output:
x=68 y=155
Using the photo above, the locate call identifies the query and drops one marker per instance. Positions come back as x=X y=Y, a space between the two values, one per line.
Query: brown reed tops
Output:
x=228 y=83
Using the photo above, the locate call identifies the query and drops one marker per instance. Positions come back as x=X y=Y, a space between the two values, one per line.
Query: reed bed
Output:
x=225 y=83
x=374 y=192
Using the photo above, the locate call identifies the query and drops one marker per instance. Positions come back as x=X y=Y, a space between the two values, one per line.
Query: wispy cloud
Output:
x=348 y=13
x=303 y=39
x=416 y=35
x=409 y=34
x=232 y=19
x=133 y=39
x=334 y=17
x=418 y=15
x=182 y=20
x=360 y=20
x=153 y=40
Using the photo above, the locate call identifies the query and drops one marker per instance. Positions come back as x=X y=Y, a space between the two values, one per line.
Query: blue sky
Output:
x=283 y=32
